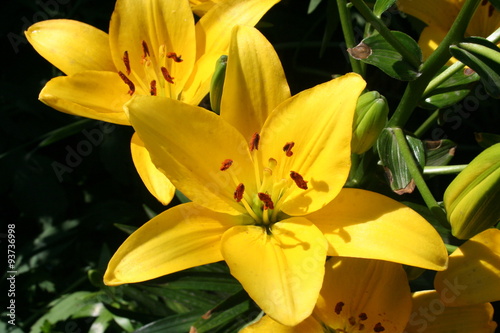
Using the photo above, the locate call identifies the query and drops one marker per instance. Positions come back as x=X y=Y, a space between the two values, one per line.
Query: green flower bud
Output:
x=472 y=199
x=369 y=120
x=217 y=83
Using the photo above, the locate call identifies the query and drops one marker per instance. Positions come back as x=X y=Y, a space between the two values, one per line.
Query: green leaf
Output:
x=394 y=164
x=381 y=6
x=486 y=140
x=64 y=132
x=376 y=51
x=180 y=323
x=451 y=91
x=440 y=152
x=312 y=5
x=482 y=56
x=203 y=281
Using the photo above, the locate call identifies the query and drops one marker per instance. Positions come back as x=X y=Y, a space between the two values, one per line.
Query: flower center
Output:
x=353 y=324
x=156 y=79
x=275 y=182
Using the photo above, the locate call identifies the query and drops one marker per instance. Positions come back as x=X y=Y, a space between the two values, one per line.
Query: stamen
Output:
x=362 y=316
x=254 y=141
x=166 y=75
x=378 y=328
x=299 y=181
x=361 y=327
x=338 y=307
x=173 y=55
x=126 y=61
x=288 y=148
x=153 y=88
x=226 y=164
x=145 y=49
x=130 y=84
x=491 y=10
x=352 y=321
x=266 y=199
x=238 y=194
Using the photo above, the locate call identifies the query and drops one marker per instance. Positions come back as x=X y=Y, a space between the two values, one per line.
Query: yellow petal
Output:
x=473 y=274
x=71 y=46
x=429 y=40
x=188 y=144
x=485 y=21
x=365 y=224
x=364 y=293
x=255 y=81
x=168 y=23
x=185 y=236
x=213 y=33
x=267 y=325
x=431 y=12
x=430 y=315
x=282 y=271
x=156 y=182
x=319 y=122
x=91 y=94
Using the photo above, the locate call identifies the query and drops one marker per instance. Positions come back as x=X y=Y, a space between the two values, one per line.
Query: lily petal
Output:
x=364 y=293
x=319 y=122
x=473 y=272
x=168 y=23
x=213 y=34
x=433 y=13
x=55 y=41
x=429 y=40
x=255 y=81
x=185 y=236
x=156 y=182
x=431 y=315
x=92 y=94
x=282 y=271
x=365 y=224
x=188 y=144
x=267 y=324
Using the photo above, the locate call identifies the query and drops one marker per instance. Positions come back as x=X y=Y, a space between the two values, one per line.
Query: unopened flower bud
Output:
x=472 y=199
x=369 y=120
x=217 y=83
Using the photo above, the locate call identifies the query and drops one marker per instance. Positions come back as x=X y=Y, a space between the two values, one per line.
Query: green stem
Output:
x=379 y=25
x=346 y=23
x=436 y=60
x=416 y=174
x=427 y=124
x=444 y=169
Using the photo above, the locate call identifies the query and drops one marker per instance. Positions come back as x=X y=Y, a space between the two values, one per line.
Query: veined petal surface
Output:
x=473 y=272
x=71 y=46
x=185 y=236
x=157 y=23
x=431 y=315
x=267 y=325
x=364 y=293
x=255 y=82
x=91 y=94
x=213 y=34
x=189 y=144
x=282 y=271
x=156 y=182
x=365 y=224
x=319 y=123
x=431 y=12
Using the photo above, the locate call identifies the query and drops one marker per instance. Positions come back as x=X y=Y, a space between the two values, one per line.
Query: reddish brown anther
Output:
x=238 y=193
x=174 y=56
x=145 y=49
x=266 y=199
x=338 y=307
x=352 y=321
x=362 y=316
x=130 y=84
x=226 y=164
x=288 y=148
x=378 y=327
x=491 y=10
x=166 y=75
x=126 y=61
x=297 y=178
x=153 y=88
x=254 y=141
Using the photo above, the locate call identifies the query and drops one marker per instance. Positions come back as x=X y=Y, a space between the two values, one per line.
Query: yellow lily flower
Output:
x=201 y=7
x=358 y=295
x=153 y=48
x=267 y=208
x=439 y=16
